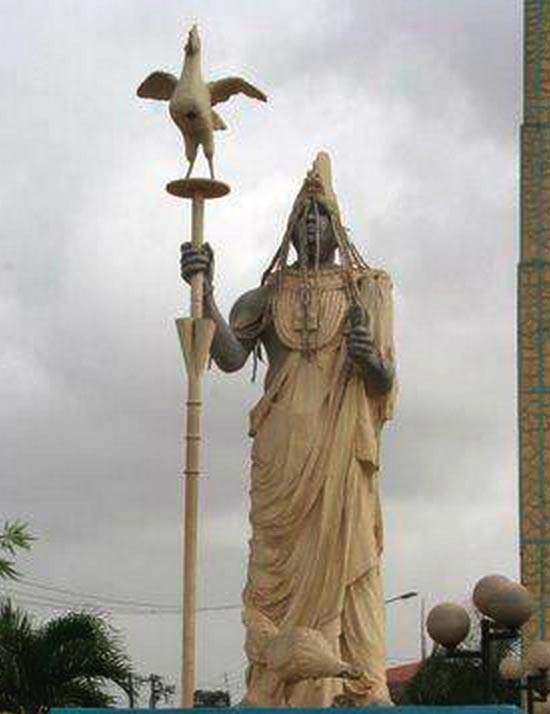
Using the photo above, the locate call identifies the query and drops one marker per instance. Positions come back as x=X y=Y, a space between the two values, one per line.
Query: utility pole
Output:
x=130 y=691
x=158 y=690
x=423 y=644
x=155 y=683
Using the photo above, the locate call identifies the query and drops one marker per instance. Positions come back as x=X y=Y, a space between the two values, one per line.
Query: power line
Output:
x=49 y=602
x=232 y=680
x=151 y=607
x=32 y=583
x=234 y=672
x=45 y=602
x=115 y=602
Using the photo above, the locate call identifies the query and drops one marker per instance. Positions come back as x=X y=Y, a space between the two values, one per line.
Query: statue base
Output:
x=195 y=187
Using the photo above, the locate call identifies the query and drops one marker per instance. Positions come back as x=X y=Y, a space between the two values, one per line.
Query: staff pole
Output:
x=195 y=333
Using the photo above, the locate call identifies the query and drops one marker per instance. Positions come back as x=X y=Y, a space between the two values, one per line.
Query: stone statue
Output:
x=191 y=100
x=313 y=604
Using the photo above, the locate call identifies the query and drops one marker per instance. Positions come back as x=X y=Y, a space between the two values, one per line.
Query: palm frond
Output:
x=7 y=570
x=14 y=536
x=68 y=661
x=81 y=644
x=83 y=692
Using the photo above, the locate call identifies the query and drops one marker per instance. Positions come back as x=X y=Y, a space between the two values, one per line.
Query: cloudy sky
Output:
x=418 y=102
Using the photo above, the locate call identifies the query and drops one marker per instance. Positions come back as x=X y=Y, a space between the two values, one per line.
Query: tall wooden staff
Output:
x=195 y=333
x=191 y=101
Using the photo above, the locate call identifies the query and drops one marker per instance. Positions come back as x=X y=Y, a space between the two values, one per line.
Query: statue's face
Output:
x=313 y=235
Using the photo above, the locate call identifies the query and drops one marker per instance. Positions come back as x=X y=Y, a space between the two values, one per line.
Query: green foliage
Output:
x=444 y=682
x=68 y=661
x=447 y=681
x=14 y=536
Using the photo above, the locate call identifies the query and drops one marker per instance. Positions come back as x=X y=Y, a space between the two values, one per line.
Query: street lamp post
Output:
x=407 y=596
x=423 y=644
x=504 y=605
x=530 y=675
x=403 y=596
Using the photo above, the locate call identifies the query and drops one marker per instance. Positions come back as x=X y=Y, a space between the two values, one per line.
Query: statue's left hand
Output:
x=378 y=374
x=360 y=341
x=360 y=345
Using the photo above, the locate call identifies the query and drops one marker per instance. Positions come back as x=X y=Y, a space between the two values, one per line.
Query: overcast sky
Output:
x=418 y=102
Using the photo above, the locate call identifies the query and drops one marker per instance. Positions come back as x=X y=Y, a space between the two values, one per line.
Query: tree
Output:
x=68 y=661
x=14 y=536
x=448 y=681
x=442 y=681
x=211 y=699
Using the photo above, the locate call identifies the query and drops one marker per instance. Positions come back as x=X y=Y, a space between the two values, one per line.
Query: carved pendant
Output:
x=306 y=312
x=309 y=318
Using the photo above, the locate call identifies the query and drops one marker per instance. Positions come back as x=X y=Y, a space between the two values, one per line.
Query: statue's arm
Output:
x=378 y=374
x=370 y=338
x=229 y=350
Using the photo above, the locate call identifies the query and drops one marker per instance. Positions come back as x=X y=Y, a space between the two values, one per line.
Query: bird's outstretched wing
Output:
x=158 y=85
x=221 y=90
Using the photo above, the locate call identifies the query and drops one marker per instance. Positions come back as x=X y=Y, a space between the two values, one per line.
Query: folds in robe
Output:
x=315 y=509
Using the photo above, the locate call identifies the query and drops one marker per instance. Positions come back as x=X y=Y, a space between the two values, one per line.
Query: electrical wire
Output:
x=116 y=602
x=45 y=602
x=32 y=583
x=132 y=606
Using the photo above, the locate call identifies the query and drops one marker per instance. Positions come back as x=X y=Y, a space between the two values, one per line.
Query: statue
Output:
x=191 y=100
x=313 y=604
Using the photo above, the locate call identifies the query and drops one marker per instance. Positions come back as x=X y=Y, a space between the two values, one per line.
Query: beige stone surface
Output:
x=304 y=653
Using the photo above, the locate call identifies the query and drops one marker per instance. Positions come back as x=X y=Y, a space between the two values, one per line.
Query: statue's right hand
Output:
x=194 y=261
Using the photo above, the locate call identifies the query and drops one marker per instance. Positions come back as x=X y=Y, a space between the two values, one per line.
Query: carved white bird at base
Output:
x=191 y=100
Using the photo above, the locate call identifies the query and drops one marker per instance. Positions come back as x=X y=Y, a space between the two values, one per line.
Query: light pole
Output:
x=403 y=596
x=505 y=607
x=423 y=644
x=407 y=596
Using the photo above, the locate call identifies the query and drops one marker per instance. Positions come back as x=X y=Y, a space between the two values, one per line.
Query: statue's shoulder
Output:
x=375 y=276
x=248 y=313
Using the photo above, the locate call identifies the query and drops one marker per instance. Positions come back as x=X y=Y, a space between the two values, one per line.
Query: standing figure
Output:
x=314 y=565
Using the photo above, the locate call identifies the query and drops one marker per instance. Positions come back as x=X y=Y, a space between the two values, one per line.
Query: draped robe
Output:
x=315 y=510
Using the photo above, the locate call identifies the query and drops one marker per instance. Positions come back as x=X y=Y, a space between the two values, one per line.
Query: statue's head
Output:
x=313 y=235
x=315 y=229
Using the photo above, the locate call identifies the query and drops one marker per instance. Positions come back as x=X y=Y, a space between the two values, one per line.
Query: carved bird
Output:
x=294 y=654
x=191 y=100
x=304 y=653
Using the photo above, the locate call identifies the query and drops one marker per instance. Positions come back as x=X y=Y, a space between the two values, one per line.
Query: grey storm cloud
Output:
x=418 y=102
